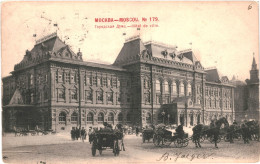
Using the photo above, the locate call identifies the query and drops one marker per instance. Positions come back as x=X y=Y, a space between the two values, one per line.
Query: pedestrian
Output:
x=72 y=132
x=136 y=131
x=230 y=135
x=77 y=133
x=83 y=134
x=245 y=132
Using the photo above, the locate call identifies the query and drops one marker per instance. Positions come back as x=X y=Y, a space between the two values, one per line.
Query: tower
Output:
x=254 y=72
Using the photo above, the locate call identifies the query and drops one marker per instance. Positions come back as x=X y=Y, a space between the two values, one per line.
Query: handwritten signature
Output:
x=175 y=156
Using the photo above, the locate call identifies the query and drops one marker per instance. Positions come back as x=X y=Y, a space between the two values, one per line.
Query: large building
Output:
x=149 y=83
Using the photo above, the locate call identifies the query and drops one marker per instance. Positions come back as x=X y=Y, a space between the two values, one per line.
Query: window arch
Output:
x=110 y=117
x=120 y=117
x=90 y=117
x=100 y=118
x=74 y=117
x=148 y=118
x=62 y=118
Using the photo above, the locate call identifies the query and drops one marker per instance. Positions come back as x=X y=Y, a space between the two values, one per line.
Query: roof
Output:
x=130 y=50
x=212 y=75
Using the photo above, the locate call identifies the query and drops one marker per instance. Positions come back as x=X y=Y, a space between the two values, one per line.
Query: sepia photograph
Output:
x=130 y=82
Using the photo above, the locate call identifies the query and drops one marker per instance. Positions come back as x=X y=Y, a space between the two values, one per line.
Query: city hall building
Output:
x=149 y=83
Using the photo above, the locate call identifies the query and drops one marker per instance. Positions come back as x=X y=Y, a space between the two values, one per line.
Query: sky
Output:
x=221 y=34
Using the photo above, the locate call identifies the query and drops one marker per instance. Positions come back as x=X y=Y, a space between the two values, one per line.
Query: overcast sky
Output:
x=223 y=34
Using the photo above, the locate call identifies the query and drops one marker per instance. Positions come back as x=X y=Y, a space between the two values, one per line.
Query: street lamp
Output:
x=163 y=113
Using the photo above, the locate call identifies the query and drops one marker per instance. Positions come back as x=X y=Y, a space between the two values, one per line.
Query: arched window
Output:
x=181 y=91
x=158 y=86
x=166 y=87
x=174 y=88
x=189 y=90
x=62 y=117
x=61 y=93
x=90 y=118
x=128 y=117
x=120 y=117
x=110 y=117
x=148 y=118
x=74 y=117
x=100 y=118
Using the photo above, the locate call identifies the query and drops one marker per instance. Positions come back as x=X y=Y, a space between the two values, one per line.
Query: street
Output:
x=59 y=148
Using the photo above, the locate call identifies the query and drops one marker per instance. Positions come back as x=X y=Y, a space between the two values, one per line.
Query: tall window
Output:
x=88 y=95
x=181 y=89
x=99 y=96
x=74 y=117
x=62 y=118
x=90 y=118
x=110 y=96
x=67 y=77
x=148 y=118
x=174 y=88
x=98 y=81
x=147 y=97
x=166 y=87
x=74 y=94
x=114 y=82
x=61 y=93
x=104 y=81
x=94 y=80
x=108 y=82
x=189 y=90
x=87 y=81
x=158 y=86
x=120 y=117
x=31 y=79
x=100 y=118
x=110 y=117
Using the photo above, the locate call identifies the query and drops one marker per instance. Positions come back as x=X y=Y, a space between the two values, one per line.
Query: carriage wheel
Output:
x=185 y=142
x=178 y=142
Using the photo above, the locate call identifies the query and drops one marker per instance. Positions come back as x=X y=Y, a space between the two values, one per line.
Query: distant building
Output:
x=247 y=96
x=149 y=83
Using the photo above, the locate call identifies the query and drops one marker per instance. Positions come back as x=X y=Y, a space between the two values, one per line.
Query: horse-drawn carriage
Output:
x=147 y=134
x=163 y=137
x=106 y=139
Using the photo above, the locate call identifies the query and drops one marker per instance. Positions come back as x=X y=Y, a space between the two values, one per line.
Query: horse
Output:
x=214 y=131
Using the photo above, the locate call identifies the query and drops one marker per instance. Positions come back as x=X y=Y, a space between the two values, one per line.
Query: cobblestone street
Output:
x=60 y=149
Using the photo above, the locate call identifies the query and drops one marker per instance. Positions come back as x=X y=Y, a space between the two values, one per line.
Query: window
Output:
x=148 y=118
x=114 y=82
x=67 y=77
x=120 y=117
x=110 y=117
x=61 y=93
x=109 y=96
x=98 y=81
x=99 y=96
x=104 y=81
x=74 y=94
x=88 y=95
x=31 y=79
x=166 y=87
x=56 y=76
x=147 y=97
x=94 y=80
x=90 y=118
x=174 y=88
x=181 y=89
x=88 y=81
x=108 y=82
x=73 y=78
x=118 y=83
x=189 y=90
x=74 y=117
x=31 y=98
x=46 y=78
x=128 y=99
x=100 y=118
x=207 y=91
x=62 y=117
x=45 y=93
x=158 y=86
x=145 y=83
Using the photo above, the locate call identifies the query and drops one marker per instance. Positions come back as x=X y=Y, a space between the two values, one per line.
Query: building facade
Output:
x=149 y=83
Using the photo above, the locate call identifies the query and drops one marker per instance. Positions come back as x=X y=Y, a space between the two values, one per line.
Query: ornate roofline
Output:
x=46 y=38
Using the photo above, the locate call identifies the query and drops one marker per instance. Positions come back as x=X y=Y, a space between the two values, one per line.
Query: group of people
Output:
x=77 y=133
